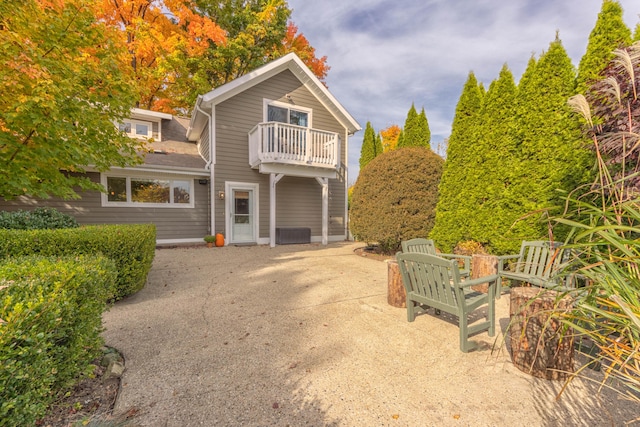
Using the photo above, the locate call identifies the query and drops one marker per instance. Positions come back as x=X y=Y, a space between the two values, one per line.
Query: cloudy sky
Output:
x=386 y=54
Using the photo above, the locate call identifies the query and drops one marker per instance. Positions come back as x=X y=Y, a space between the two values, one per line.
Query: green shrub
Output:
x=37 y=219
x=131 y=247
x=50 y=332
x=395 y=196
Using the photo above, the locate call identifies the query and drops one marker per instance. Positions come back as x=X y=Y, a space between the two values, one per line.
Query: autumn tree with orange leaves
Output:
x=162 y=37
x=298 y=43
x=390 y=137
x=63 y=88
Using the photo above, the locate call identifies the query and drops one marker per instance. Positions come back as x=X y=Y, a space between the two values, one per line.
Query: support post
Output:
x=273 y=181
x=324 y=182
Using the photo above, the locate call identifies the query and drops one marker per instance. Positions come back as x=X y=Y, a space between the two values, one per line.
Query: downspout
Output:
x=211 y=165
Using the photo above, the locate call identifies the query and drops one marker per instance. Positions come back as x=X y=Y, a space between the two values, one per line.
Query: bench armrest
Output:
x=467 y=262
x=479 y=281
x=503 y=258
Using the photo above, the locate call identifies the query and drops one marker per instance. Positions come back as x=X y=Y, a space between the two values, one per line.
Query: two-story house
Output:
x=263 y=160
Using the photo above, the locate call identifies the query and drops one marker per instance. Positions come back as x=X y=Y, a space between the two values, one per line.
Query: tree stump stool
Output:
x=540 y=345
x=396 y=294
x=483 y=265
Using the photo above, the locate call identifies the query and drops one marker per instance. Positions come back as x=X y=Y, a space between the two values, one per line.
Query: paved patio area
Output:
x=303 y=335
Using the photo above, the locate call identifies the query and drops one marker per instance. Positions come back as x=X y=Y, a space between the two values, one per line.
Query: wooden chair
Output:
x=431 y=281
x=538 y=263
x=426 y=246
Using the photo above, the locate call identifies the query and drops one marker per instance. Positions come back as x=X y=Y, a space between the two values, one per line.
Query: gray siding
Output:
x=171 y=223
x=299 y=200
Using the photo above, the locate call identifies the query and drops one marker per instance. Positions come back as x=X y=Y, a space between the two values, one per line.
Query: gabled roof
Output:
x=289 y=62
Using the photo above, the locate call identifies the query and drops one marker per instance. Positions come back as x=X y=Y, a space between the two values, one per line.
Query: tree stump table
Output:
x=540 y=344
x=396 y=294
x=483 y=265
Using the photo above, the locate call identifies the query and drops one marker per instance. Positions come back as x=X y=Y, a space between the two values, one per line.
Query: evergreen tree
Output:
x=551 y=152
x=423 y=134
x=453 y=208
x=416 y=131
x=636 y=34
x=492 y=158
x=400 y=142
x=408 y=130
x=609 y=33
x=379 y=149
x=371 y=146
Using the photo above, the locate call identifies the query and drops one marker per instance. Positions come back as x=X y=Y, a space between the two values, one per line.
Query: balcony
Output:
x=276 y=147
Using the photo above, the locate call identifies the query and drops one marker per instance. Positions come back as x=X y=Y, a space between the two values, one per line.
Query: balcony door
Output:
x=242 y=219
x=285 y=114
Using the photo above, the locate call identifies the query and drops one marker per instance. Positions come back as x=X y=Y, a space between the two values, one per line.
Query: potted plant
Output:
x=210 y=240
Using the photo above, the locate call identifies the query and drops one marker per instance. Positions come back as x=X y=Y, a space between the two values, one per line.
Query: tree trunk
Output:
x=396 y=294
x=540 y=344
x=483 y=265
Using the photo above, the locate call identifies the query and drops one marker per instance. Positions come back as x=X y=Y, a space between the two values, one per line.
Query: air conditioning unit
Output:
x=292 y=235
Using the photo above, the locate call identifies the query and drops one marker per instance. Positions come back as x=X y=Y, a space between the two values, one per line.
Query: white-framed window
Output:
x=145 y=191
x=275 y=111
x=137 y=128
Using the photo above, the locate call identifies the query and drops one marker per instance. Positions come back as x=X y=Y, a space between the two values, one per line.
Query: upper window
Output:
x=137 y=128
x=284 y=113
x=122 y=191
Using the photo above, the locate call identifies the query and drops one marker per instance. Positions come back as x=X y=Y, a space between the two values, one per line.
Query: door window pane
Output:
x=241 y=200
x=277 y=114
x=116 y=189
x=298 y=118
x=149 y=191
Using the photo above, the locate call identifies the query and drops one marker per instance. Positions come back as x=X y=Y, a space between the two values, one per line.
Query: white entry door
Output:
x=242 y=213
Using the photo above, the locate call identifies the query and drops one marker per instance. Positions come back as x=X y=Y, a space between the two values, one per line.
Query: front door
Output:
x=242 y=213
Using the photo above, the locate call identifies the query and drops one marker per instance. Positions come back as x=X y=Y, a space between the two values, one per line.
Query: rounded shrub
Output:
x=37 y=219
x=395 y=197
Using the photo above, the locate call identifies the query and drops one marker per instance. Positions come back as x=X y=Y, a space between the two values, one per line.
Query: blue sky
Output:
x=386 y=54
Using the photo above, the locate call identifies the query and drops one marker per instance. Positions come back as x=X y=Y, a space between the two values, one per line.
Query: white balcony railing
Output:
x=274 y=142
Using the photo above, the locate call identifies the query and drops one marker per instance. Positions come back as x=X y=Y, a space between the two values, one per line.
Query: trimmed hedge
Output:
x=37 y=219
x=395 y=197
x=51 y=311
x=131 y=247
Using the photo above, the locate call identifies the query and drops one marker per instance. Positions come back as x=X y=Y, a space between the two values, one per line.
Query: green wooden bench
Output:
x=538 y=263
x=431 y=281
x=427 y=246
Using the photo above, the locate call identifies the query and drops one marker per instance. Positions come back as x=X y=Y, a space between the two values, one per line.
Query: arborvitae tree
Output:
x=408 y=130
x=609 y=33
x=371 y=146
x=416 y=131
x=491 y=161
x=453 y=208
x=400 y=142
x=378 y=146
x=551 y=152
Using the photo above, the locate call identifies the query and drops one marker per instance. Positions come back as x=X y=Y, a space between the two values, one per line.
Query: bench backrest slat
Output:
x=425 y=246
x=538 y=258
x=433 y=279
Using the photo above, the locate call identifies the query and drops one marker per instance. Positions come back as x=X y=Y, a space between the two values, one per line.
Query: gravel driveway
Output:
x=302 y=335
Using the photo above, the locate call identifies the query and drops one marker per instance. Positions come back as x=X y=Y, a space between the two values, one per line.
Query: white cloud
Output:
x=386 y=54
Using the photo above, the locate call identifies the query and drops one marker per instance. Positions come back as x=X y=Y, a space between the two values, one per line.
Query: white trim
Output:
x=105 y=203
x=234 y=185
x=169 y=170
x=178 y=241
x=150 y=115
